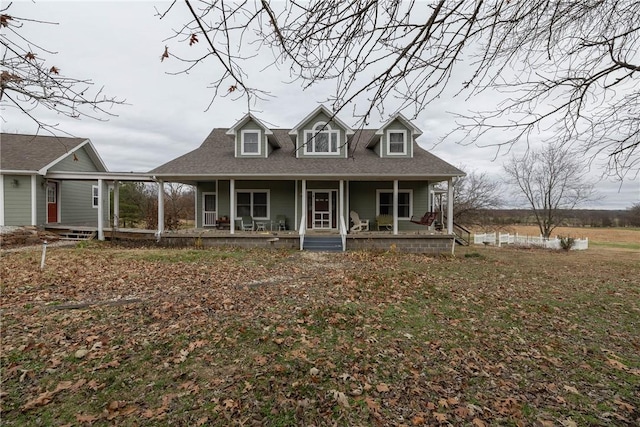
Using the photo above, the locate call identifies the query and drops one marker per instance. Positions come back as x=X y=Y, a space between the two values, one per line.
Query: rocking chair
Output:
x=427 y=219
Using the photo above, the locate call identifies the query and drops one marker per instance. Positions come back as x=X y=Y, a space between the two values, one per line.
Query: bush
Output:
x=567 y=243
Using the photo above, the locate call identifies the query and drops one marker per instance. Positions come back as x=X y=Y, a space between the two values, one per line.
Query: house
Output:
x=313 y=174
x=28 y=196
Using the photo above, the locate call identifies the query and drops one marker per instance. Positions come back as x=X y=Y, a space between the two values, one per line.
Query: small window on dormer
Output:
x=321 y=140
x=250 y=142
x=397 y=142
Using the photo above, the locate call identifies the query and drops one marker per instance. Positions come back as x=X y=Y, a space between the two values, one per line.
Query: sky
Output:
x=118 y=45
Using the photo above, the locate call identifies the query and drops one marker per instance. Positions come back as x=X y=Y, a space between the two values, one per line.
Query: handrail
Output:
x=343 y=233
x=302 y=230
x=461 y=232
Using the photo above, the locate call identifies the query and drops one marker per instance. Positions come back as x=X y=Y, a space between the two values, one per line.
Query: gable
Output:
x=37 y=154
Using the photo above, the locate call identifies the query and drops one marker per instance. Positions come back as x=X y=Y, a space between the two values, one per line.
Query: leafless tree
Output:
x=473 y=193
x=552 y=181
x=29 y=80
x=570 y=67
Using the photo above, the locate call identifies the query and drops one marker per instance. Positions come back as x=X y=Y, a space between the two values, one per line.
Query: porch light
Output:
x=15 y=183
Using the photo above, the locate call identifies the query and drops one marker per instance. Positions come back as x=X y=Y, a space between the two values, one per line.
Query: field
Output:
x=493 y=336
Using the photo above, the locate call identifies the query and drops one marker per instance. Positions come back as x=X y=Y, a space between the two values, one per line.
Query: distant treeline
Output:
x=572 y=218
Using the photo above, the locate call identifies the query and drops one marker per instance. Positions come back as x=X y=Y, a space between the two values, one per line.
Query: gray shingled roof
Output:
x=215 y=158
x=31 y=153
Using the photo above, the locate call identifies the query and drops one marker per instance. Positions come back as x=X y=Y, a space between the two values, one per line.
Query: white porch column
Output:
x=160 y=207
x=395 y=206
x=303 y=208
x=295 y=206
x=34 y=200
x=116 y=204
x=346 y=204
x=1 y=199
x=450 y=206
x=100 y=210
x=232 y=206
x=341 y=201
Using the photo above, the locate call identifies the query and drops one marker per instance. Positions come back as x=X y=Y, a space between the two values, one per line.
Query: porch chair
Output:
x=426 y=219
x=246 y=223
x=384 y=222
x=358 y=224
x=281 y=222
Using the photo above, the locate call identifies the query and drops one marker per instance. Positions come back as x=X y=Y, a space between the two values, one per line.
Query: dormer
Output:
x=321 y=134
x=251 y=138
x=395 y=138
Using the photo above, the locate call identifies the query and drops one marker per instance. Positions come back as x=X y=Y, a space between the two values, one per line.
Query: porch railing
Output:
x=302 y=230
x=343 y=233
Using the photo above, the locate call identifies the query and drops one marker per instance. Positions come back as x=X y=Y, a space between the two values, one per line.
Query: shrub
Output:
x=567 y=243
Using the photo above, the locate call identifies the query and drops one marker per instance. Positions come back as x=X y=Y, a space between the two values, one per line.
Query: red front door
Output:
x=52 y=202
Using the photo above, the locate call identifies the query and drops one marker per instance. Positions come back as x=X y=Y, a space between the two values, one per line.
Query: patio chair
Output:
x=427 y=219
x=281 y=221
x=358 y=224
x=384 y=222
x=246 y=223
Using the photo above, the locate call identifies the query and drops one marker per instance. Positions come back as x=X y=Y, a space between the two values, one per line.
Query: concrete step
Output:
x=323 y=244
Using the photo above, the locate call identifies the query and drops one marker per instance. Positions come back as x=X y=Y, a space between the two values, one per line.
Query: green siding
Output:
x=82 y=164
x=76 y=198
x=362 y=196
x=17 y=200
x=283 y=198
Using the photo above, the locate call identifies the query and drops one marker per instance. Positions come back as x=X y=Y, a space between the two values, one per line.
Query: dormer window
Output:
x=250 y=142
x=321 y=140
x=396 y=142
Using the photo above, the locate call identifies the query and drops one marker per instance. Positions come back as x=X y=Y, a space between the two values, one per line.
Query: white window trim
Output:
x=409 y=191
x=308 y=142
x=95 y=201
x=244 y=190
x=406 y=143
x=242 y=134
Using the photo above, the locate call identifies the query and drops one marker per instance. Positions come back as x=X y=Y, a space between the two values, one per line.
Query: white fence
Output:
x=515 y=239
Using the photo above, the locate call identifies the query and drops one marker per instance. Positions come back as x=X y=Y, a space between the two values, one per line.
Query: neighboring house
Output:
x=29 y=197
x=313 y=174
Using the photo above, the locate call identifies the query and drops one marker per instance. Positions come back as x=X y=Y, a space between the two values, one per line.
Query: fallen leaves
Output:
x=354 y=337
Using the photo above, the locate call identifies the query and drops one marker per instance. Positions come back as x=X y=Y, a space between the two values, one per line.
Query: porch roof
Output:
x=215 y=159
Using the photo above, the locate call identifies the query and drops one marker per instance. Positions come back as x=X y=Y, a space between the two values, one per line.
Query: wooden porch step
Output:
x=77 y=235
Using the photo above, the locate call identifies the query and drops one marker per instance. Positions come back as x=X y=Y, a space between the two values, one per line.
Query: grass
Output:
x=212 y=337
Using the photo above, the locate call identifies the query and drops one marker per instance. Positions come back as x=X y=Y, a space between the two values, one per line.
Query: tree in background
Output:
x=552 y=181
x=132 y=198
x=29 y=80
x=473 y=193
x=570 y=67
x=633 y=215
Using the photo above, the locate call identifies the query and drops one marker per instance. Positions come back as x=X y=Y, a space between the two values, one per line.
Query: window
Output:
x=405 y=203
x=250 y=142
x=321 y=140
x=397 y=142
x=94 y=196
x=51 y=193
x=253 y=203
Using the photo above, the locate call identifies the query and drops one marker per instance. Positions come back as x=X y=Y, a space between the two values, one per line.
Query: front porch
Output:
x=427 y=242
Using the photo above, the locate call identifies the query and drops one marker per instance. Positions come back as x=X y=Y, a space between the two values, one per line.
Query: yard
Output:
x=493 y=336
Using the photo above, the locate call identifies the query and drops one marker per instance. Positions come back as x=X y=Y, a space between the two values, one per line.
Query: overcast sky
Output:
x=118 y=44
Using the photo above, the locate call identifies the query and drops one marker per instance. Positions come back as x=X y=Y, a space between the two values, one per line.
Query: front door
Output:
x=321 y=211
x=52 y=201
